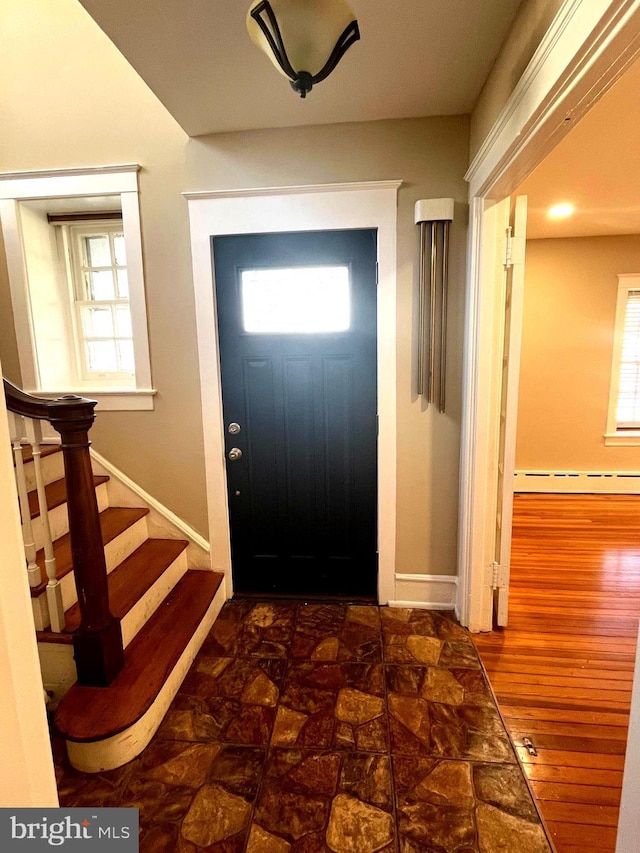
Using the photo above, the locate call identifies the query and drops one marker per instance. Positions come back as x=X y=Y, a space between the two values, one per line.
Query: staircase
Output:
x=164 y=609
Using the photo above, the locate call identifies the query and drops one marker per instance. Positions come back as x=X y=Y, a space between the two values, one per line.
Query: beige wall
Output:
x=96 y=125
x=530 y=25
x=429 y=155
x=70 y=99
x=569 y=313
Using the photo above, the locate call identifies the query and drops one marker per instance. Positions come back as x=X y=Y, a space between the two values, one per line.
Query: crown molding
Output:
x=296 y=190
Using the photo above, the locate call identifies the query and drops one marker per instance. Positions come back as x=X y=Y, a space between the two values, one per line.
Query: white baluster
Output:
x=54 y=590
x=33 y=570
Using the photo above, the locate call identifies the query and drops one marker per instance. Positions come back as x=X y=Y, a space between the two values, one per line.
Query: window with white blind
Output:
x=623 y=423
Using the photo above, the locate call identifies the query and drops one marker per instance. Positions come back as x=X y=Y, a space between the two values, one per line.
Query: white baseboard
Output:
x=161 y=521
x=578 y=482
x=428 y=592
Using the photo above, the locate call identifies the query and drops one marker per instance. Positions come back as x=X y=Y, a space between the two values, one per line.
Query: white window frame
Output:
x=73 y=238
x=120 y=181
x=614 y=435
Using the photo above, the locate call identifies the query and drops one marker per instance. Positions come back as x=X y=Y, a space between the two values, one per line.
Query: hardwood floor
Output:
x=562 y=671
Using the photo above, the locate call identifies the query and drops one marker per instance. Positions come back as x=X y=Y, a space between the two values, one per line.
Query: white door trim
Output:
x=481 y=414
x=313 y=208
x=588 y=46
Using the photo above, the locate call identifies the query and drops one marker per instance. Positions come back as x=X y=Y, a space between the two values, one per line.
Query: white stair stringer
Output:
x=162 y=522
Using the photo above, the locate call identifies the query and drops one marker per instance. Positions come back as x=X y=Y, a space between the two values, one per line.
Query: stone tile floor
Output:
x=304 y=728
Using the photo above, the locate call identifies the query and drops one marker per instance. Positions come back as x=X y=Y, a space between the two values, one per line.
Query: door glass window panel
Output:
x=296 y=300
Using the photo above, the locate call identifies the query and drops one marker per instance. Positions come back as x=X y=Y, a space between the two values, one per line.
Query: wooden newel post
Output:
x=97 y=642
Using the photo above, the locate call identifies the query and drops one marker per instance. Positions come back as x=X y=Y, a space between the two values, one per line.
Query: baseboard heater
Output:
x=578 y=482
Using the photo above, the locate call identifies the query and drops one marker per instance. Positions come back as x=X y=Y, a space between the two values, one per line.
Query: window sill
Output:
x=628 y=438
x=112 y=399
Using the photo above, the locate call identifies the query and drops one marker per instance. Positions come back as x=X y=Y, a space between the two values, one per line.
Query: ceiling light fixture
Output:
x=317 y=34
x=560 y=211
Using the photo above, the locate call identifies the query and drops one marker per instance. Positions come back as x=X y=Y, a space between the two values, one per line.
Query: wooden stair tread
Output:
x=113 y=521
x=45 y=450
x=133 y=577
x=56 y=494
x=95 y=713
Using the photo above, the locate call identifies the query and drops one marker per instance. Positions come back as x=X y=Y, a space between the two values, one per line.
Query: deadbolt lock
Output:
x=234 y=428
x=234 y=454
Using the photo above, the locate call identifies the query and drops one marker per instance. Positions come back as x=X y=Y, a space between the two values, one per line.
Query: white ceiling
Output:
x=415 y=58
x=596 y=167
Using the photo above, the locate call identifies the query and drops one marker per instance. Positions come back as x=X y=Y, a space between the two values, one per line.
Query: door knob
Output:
x=234 y=454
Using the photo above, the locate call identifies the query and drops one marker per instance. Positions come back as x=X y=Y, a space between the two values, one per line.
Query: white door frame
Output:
x=272 y=210
x=588 y=46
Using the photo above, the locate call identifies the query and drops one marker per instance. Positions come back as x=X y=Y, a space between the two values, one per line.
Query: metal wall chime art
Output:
x=434 y=215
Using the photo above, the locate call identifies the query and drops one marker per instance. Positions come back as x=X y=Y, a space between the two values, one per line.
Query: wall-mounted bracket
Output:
x=434 y=215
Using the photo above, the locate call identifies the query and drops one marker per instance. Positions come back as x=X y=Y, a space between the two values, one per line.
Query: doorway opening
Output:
x=370 y=205
x=563 y=666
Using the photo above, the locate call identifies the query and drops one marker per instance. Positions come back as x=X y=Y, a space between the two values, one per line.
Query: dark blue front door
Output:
x=297 y=332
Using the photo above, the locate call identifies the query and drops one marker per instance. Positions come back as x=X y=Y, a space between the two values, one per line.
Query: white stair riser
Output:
x=58 y=669
x=94 y=757
x=41 y=606
x=114 y=552
x=125 y=543
x=69 y=592
x=52 y=470
x=142 y=611
x=59 y=520
x=40 y=612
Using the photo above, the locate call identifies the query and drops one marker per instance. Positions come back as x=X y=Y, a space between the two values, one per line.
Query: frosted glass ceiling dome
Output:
x=305 y=39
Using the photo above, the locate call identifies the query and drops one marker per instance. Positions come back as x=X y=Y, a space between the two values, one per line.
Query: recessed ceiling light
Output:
x=560 y=211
